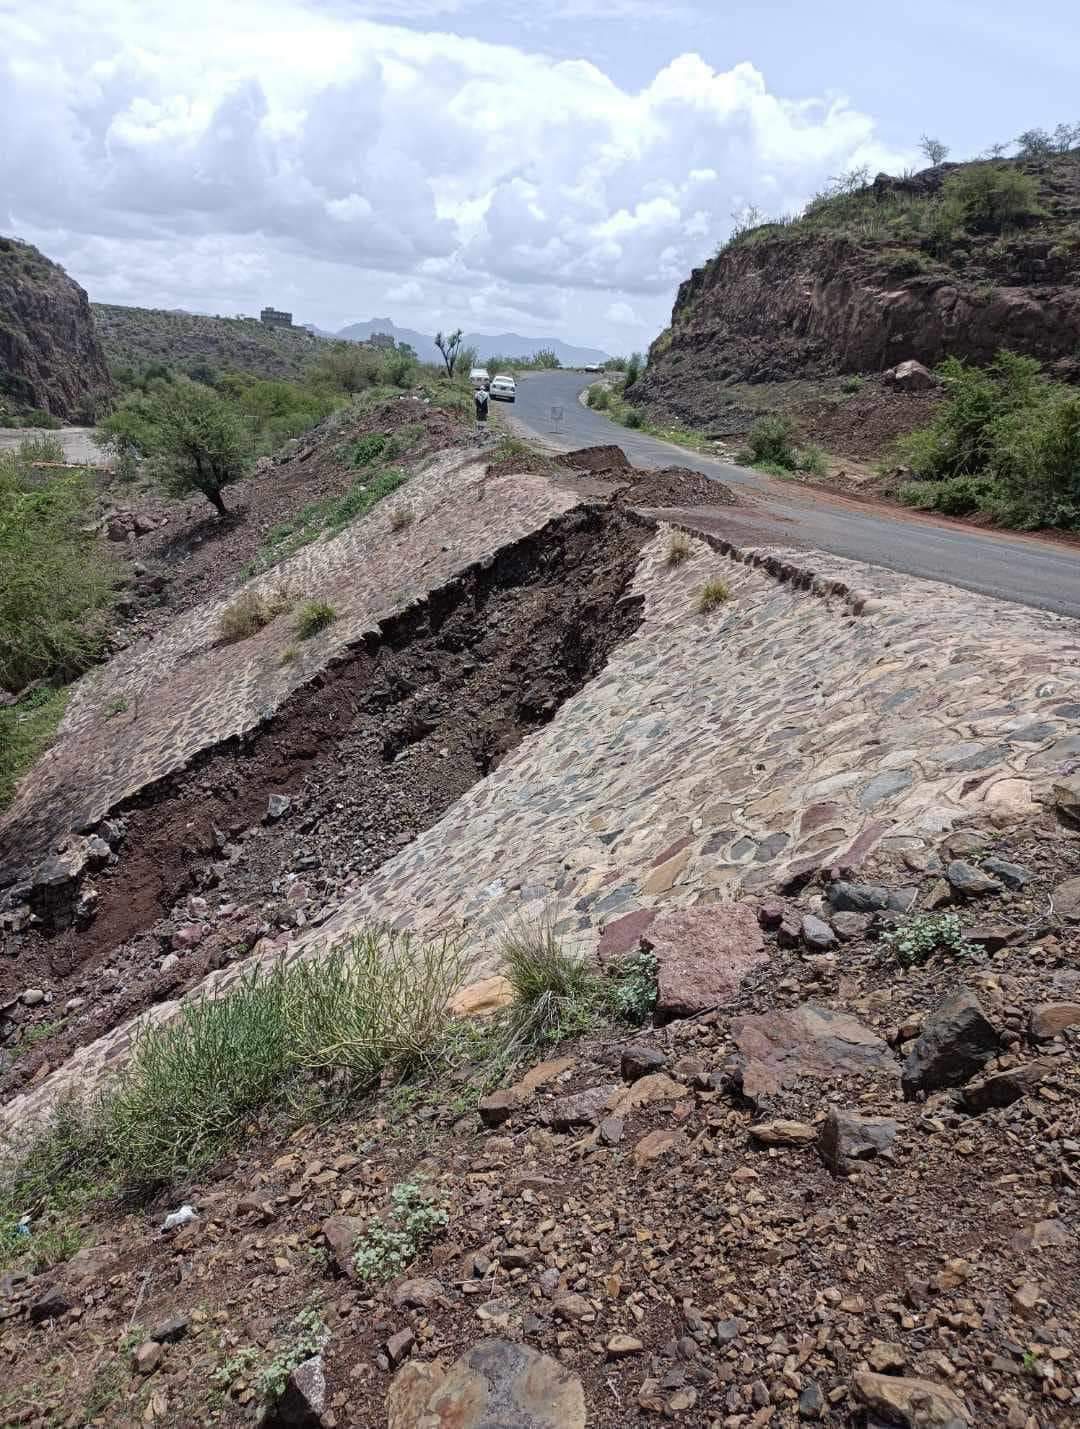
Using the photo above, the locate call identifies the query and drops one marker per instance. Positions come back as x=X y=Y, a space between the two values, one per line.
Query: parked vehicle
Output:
x=592 y=367
x=503 y=388
x=479 y=377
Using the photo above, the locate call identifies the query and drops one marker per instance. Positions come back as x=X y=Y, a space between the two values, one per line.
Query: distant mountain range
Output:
x=506 y=344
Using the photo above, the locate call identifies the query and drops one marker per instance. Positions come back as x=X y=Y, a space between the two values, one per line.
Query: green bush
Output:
x=632 y=418
x=811 y=459
x=599 y=397
x=772 y=439
x=313 y=616
x=55 y=582
x=386 y=1249
x=956 y=496
x=1009 y=425
x=992 y=197
x=924 y=934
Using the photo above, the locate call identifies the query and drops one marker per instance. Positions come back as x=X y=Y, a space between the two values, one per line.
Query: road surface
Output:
x=1028 y=570
x=77 y=442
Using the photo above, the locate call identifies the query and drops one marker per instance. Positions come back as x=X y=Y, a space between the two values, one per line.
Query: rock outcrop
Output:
x=50 y=357
x=813 y=299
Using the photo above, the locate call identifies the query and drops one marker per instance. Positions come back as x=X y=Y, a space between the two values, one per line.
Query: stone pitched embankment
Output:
x=817 y=720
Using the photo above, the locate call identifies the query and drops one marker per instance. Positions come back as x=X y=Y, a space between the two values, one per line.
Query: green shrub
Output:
x=632 y=418
x=249 y=613
x=555 y=993
x=956 y=496
x=26 y=730
x=313 y=616
x=772 y=439
x=811 y=459
x=851 y=385
x=630 y=989
x=993 y=197
x=924 y=934
x=679 y=548
x=55 y=581
x=599 y=397
x=368 y=448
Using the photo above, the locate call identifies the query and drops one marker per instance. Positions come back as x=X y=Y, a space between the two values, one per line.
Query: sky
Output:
x=552 y=167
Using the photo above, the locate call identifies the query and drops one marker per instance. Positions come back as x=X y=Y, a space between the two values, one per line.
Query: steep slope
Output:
x=50 y=357
x=961 y=259
x=137 y=337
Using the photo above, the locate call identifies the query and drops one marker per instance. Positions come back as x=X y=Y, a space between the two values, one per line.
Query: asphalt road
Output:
x=1028 y=570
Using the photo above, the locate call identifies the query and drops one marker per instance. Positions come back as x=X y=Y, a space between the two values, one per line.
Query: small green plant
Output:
x=386 y=1248
x=599 y=398
x=632 y=418
x=851 y=385
x=229 y=1371
x=313 y=616
x=772 y=439
x=115 y=705
x=307 y=1337
x=369 y=448
x=924 y=934
x=713 y=593
x=288 y=655
x=630 y=988
x=811 y=459
x=680 y=548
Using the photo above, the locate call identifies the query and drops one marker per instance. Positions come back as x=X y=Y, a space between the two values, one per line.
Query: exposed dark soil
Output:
x=863 y=424
x=600 y=461
x=676 y=486
x=370 y=754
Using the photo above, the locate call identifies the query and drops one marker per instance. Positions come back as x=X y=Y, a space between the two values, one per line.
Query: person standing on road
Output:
x=480 y=401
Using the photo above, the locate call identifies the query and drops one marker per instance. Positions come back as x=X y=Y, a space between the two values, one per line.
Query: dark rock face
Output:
x=956 y=1042
x=50 y=357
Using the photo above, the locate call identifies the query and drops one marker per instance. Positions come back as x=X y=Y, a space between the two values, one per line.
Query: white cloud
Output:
x=283 y=150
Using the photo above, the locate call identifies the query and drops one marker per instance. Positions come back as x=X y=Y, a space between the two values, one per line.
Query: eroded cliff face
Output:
x=50 y=357
x=815 y=306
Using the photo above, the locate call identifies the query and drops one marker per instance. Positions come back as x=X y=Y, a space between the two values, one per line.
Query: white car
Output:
x=592 y=367
x=479 y=377
x=503 y=388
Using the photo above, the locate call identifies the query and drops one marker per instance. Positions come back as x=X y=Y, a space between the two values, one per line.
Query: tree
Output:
x=545 y=358
x=934 y=149
x=465 y=359
x=196 y=439
x=448 y=346
x=346 y=367
x=1033 y=143
x=634 y=364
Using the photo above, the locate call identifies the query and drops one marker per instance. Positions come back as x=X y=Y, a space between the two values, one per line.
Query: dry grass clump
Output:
x=679 y=548
x=250 y=612
x=713 y=593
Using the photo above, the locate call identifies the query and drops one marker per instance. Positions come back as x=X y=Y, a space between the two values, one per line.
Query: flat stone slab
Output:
x=502 y=1385
x=777 y=1049
x=703 y=956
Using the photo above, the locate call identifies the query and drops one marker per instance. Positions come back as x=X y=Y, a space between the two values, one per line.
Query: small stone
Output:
x=886 y=1357
x=189 y=936
x=620 y=1346
x=847 y=1137
x=911 y=1403
x=1067 y=899
x=516 y=1257
x=956 y=1042
x=498 y=1107
x=50 y=1305
x=32 y=997
x=146 y=1357
x=848 y=926
x=171 y=1332
x=1050 y=1019
x=1013 y=875
x=611 y=1130
x=585 y=1108
x=277 y=806
x=967 y=879
x=771 y=915
x=857 y=897
x=817 y=934
x=341 y=1234
x=418 y=1294
x=661 y=1142
x=811 y=1402
x=639 y=1061
x=1004 y=1088
x=169 y=963
x=1066 y=797
x=783 y=1133
x=303 y=1403
x=1027 y=1296
x=1039 y=1234
x=572 y=1307
x=398 y=1347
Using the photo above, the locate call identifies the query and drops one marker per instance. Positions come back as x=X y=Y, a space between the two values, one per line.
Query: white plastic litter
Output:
x=180 y=1218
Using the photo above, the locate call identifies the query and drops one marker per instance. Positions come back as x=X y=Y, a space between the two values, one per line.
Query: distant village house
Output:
x=273 y=317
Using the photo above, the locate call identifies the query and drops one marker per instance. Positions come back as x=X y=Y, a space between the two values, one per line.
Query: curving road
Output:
x=1028 y=570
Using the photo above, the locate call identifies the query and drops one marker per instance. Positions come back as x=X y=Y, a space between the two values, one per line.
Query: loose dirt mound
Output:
x=677 y=486
x=599 y=461
x=370 y=754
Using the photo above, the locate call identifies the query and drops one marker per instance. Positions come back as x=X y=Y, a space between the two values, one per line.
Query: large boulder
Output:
x=956 y=1042
x=912 y=1403
x=909 y=376
x=496 y=1385
x=789 y=1045
x=703 y=955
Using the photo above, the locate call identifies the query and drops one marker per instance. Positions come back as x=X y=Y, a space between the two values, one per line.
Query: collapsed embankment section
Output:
x=154 y=707
x=753 y=747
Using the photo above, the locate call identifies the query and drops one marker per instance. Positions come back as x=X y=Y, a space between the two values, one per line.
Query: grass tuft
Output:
x=313 y=616
x=26 y=730
x=713 y=593
x=680 y=548
x=249 y=613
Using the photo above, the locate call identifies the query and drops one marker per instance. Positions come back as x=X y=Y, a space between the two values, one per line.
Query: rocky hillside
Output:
x=50 y=357
x=139 y=337
x=961 y=259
